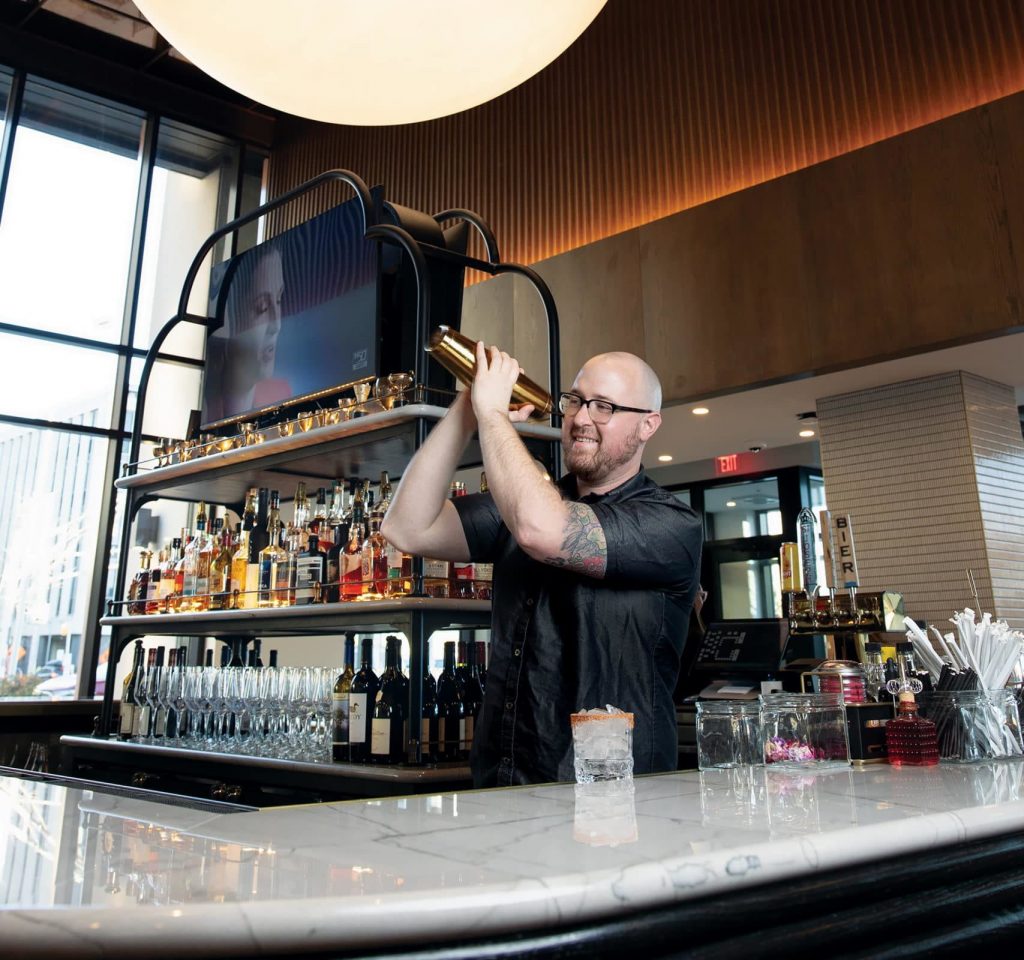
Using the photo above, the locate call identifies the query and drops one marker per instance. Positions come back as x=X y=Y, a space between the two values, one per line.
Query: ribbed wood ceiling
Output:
x=665 y=104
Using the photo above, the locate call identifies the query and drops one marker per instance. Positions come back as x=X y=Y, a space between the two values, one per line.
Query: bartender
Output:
x=594 y=576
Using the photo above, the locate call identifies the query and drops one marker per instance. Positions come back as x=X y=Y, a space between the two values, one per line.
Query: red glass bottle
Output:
x=911 y=739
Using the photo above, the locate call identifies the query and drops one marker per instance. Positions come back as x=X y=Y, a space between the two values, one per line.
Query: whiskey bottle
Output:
x=222 y=585
x=310 y=572
x=374 y=562
x=240 y=557
x=340 y=703
x=318 y=522
x=138 y=589
x=483 y=573
x=300 y=507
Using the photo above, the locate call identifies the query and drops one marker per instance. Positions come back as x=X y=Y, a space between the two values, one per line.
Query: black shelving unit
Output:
x=383 y=440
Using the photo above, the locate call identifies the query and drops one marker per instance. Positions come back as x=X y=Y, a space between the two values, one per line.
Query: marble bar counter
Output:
x=739 y=859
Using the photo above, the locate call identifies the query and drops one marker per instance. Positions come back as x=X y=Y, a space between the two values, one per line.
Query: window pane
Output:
x=747 y=509
x=66 y=234
x=173 y=392
x=6 y=74
x=750 y=588
x=193 y=193
x=51 y=381
x=51 y=488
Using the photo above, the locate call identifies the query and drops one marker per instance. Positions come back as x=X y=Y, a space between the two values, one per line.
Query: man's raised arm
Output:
x=421 y=520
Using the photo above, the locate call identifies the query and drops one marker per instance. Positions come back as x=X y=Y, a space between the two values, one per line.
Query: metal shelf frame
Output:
x=382 y=441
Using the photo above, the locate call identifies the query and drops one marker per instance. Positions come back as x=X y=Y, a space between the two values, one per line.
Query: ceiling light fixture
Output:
x=370 y=64
x=700 y=411
x=730 y=503
x=806 y=433
x=665 y=457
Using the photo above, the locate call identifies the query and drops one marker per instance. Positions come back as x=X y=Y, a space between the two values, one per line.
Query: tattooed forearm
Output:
x=584 y=548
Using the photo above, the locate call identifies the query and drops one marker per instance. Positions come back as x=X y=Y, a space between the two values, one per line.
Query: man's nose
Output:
x=583 y=415
x=274 y=318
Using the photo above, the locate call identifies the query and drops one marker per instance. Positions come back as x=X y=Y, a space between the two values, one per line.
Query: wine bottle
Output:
x=472 y=697
x=342 y=692
x=428 y=720
x=451 y=718
x=387 y=727
x=362 y=696
x=128 y=702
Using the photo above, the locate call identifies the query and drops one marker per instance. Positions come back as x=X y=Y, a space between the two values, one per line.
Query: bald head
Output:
x=630 y=380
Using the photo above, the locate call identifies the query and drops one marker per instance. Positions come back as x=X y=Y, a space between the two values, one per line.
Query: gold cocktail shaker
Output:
x=457 y=353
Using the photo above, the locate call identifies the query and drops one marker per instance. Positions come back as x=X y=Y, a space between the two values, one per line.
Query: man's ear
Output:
x=649 y=425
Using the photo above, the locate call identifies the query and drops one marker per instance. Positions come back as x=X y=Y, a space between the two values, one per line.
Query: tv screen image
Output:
x=298 y=314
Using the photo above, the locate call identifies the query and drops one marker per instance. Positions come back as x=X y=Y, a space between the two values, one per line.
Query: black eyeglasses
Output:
x=600 y=410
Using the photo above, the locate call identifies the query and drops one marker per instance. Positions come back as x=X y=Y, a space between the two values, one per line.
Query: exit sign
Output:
x=730 y=463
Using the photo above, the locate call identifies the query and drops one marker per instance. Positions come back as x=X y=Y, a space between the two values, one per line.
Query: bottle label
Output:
x=366 y=565
x=332 y=571
x=140 y=724
x=484 y=571
x=425 y=734
x=380 y=737
x=127 y=719
x=161 y=723
x=341 y=718
x=435 y=568
x=468 y=738
x=357 y=706
x=351 y=564
x=308 y=571
x=462 y=733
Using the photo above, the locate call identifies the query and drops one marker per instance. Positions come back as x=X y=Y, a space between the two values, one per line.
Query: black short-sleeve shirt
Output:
x=563 y=642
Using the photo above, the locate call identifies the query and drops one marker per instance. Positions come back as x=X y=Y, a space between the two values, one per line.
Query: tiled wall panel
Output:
x=932 y=473
x=998 y=451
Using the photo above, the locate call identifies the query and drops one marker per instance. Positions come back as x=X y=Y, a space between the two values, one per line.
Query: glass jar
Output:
x=974 y=725
x=845 y=677
x=804 y=730
x=728 y=733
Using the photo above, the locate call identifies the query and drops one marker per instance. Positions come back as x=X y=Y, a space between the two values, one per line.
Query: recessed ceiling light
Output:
x=700 y=411
x=665 y=458
x=806 y=433
x=730 y=503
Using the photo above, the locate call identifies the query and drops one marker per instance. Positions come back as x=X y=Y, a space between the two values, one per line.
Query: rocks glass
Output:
x=602 y=745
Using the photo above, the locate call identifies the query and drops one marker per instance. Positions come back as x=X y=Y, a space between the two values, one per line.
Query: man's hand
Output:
x=496 y=375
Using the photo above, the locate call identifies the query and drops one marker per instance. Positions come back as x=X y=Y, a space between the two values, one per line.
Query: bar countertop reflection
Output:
x=85 y=873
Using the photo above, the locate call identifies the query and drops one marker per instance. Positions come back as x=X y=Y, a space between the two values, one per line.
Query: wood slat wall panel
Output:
x=665 y=104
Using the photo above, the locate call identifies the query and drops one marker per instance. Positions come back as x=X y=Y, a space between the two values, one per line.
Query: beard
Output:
x=593 y=465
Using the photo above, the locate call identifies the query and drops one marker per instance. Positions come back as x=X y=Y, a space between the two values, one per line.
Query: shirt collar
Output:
x=569 y=487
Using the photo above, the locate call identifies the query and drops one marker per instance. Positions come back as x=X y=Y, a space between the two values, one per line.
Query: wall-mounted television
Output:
x=297 y=315
x=319 y=306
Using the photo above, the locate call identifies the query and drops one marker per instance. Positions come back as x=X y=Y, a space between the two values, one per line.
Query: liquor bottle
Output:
x=204 y=560
x=362 y=696
x=374 y=562
x=352 y=564
x=271 y=555
x=168 y=577
x=387 y=727
x=451 y=717
x=319 y=519
x=310 y=572
x=300 y=506
x=190 y=562
x=483 y=573
x=126 y=721
x=911 y=740
x=340 y=711
x=178 y=597
x=240 y=555
x=380 y=508
x=328 y=530
x=223 y=586
x=138 y=589
x=154 y=587
x=284 y=571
